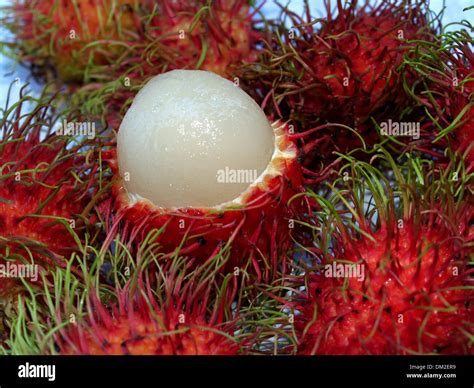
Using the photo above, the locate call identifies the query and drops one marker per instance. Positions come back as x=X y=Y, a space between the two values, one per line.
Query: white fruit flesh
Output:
x=193 y=139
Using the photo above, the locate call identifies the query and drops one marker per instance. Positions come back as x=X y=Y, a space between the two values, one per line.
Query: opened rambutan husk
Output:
x=255 y=233
x=389 y=271
x=253 y=225
x=46 y=187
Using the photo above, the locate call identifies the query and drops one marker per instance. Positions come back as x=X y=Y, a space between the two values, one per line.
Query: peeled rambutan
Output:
x=68 y=38
x=46 y=183
x=198 y=160
x=390 y=273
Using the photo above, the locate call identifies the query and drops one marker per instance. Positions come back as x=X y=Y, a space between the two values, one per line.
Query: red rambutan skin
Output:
x=446 y=91
x=62 y=32
x=364 y=49
x=342 y=69
x=186 y=321
x=224 y=32
x=414 y=298
x=44 y=189
x=259 y=231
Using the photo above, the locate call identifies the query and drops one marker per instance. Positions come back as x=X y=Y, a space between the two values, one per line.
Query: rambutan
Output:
x=162 y=35
x=444 y=87
x=68 y=38
x=391 y=275
x=173 y=311
x=46 y=184
x=137 y=325
x=342 y=69
x=198 y=160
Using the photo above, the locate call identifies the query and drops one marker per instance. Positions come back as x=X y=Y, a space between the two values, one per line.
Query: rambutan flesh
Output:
x=198 y=160
x=344 y=72
x=45 y=186
x=392 y=277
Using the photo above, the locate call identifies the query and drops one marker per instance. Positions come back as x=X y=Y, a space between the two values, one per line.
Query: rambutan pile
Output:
x=198 y=179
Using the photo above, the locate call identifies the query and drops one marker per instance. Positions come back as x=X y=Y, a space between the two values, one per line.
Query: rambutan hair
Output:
x=333 y=77
x=67 y=39
x=439 y=76
x=116 y=305
x=47 y=184
x=410 y=238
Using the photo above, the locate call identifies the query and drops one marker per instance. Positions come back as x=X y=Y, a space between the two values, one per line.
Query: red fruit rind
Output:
x=180 y=318
x=446 y=93
x=72 y=36
x=415 y=293
x=45 y=187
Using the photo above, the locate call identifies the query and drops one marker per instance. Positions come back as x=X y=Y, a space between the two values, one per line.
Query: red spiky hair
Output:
x=45 y=185
x=445 y=88
x=68 y=37
x=342 y=69
x=415 y=294
x=221 y=35
x=181 y=315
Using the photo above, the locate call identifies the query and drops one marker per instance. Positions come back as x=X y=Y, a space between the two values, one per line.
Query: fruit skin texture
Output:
x=41 y=190
x=408 y=299
x=445 y=89
x=221 y=30
x=137 y=333
x=343 y=70
x=414 y=246
x=58 y=33
x=185 y=320
x=259 y=231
